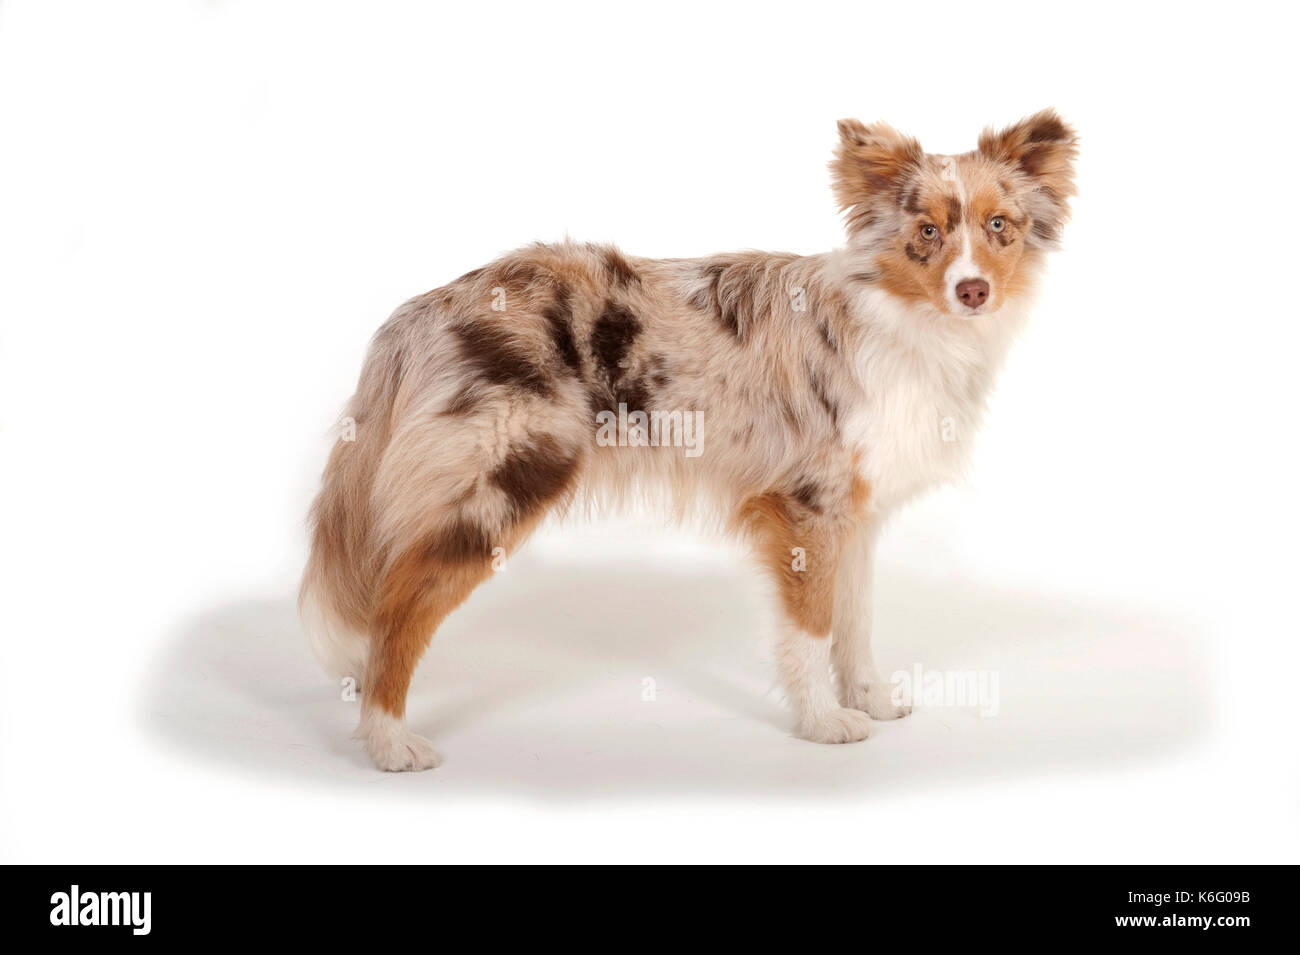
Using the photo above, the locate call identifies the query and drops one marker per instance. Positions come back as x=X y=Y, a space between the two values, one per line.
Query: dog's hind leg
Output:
x=424 y=584
x=438 y=554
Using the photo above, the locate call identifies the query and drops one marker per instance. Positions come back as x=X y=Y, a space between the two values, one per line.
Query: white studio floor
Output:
x=534 y=694
x=536 y=689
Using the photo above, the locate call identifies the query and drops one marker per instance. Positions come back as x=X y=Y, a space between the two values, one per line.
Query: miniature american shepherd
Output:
x=830 y=390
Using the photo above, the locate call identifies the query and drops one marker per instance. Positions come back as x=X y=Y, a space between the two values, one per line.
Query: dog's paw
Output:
x=406 y=753
x=395 y=749
x=841 y=725
x=875 y=699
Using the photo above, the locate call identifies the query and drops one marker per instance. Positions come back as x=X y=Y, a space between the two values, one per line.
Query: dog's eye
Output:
x=929 y=232
x=997 y=224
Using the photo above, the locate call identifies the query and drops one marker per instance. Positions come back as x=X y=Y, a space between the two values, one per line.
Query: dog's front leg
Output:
x=861 y=687
x=805 y=660
x=800 y=537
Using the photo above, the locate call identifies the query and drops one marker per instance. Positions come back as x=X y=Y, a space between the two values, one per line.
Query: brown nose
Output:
x=973 y=292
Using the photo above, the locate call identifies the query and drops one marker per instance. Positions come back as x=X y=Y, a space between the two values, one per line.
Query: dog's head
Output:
x=960 y=233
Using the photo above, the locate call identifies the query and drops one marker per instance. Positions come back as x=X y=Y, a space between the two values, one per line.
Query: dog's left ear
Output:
x=1043 y=148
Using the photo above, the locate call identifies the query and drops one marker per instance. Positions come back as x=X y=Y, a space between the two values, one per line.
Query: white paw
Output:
x=394 y=748
x=410 y=753
x=840 y=725
x=875 y=700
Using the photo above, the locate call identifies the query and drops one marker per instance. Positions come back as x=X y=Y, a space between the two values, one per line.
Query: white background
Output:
x=207 y=208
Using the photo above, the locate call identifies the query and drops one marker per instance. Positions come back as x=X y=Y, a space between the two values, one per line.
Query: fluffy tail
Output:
x=340 y=648
x=335 y=601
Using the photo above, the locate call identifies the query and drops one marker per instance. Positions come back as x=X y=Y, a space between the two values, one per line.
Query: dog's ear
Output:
x=1042 y=147
x=871 y=165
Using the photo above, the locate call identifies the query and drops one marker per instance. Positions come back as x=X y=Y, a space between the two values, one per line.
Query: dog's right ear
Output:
x=871 y=164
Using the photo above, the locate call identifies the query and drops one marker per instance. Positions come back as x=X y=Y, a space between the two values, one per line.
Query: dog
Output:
x=827 y=390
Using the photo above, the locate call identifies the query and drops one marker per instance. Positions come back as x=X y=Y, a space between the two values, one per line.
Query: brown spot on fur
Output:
x=535 y=475
x=619 y=270
x=734 y=288
x=559 y=319
x=910 y=251
x=492 y=353
x=819 y=391
x=657 y=367
x=709 y=299
x=459 y=541
x=1046 y=230
x=633 y=393
x=954 y=214
x=1048 y=128
x=809 y=495
x=612 y=337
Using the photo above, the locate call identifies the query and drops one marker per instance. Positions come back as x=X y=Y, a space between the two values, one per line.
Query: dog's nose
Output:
x=973 y=292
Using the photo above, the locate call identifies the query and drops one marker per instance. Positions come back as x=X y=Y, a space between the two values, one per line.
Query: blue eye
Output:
x=997 y=224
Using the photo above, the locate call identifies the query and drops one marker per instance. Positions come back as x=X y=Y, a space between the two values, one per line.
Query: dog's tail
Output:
x=336 y=597
x=339 y=646
x=332 y=601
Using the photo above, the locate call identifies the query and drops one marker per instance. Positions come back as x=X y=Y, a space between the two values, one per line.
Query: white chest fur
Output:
x=924 y=380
